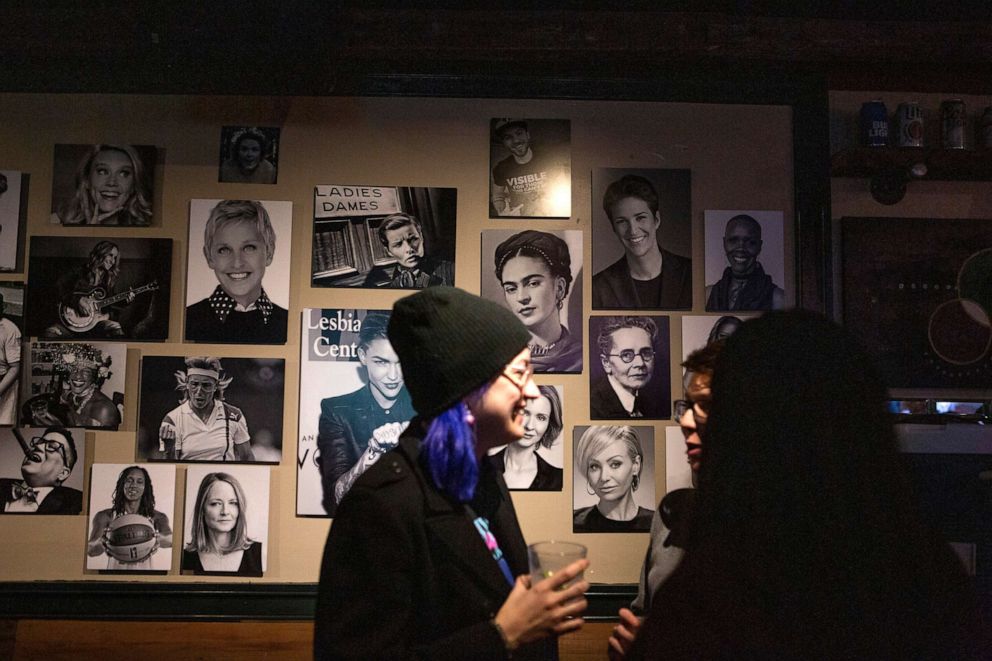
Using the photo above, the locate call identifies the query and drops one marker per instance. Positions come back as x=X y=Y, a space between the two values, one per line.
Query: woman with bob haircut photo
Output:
x=219 y=543
x=535 y=271
x=806 y=539
x=111 y=189
x=426 y=558
x=519 y=462
x=611 y=458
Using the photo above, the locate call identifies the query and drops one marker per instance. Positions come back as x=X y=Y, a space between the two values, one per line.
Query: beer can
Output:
x=909 y=124
x=985 y=128
x=952 y=124
x=874 y=124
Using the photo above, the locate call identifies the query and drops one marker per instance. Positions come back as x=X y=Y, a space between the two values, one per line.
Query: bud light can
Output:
x=874 y=124
x=952 y=124
x=985 y=128
x=909 y=124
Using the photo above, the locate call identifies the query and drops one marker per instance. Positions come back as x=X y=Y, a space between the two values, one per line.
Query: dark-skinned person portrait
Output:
x=806 y=539
x=449 y=579
x=743 y=285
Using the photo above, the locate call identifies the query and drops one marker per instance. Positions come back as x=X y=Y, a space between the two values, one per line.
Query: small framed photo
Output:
x=238 y=266
x=13 y=219
x=538 y=276
x=745 y=261
x=383 y=237
x=530 y=168
x=226 y=531
x=249 y=155
x=11 y=325
x=75 y=384
x=103 y=184
x=629 y=375
x=99 y=288
x=41 y=470
x=132 y=514
x=613 y=485
x=204 y=408
x=536 y=461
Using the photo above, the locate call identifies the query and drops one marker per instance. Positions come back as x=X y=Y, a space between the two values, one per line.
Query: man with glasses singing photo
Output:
x=204 y=427
x=47 y=463
x=628 y=357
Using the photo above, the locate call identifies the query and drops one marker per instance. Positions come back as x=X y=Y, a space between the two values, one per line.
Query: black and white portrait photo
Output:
x=74 y=384
x=642 y=239
x=353 y=403
x=103 y=184
x=745 y=260
x=226 y=530
x=99 y=288
x=205 y=408
x=41 y=470
x=700 y=330
x=613 y=486
x=237 y=279
x=13 y=218
x=538 y=276
x=11 y=323
x=131 y=514
x=629 y=368
x=249 y=155
x=536 y=461
x=530 y=163
x=390 y=237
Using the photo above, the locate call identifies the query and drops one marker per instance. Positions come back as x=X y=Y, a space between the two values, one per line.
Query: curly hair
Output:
x=146 y=507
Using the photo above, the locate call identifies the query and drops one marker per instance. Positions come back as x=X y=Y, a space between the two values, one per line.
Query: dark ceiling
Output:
x=296 y=47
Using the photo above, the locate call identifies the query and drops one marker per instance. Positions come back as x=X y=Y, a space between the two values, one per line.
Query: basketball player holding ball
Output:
x=133 y=495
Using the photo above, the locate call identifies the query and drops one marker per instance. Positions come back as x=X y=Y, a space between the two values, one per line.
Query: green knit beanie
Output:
x=450 y=343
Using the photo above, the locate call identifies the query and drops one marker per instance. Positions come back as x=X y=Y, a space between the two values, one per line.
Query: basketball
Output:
x=131 y=538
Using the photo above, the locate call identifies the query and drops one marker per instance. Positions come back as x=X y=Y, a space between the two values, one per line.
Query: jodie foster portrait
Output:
x=530 y=168
x=103 y=184
x=147 y=491
x=249 y=155
x=226 y=529
x=353 y=403
x=41 y=470
x=642 y=239
x=75 y=384
x=629 y=375
x=383 y=237
x=205 y=408
x=745 y=260
x=99 y=288
x=237 y=281
x=613 y=487
x=538 y=276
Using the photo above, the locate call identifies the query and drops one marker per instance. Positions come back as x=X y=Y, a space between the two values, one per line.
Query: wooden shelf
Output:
x=942 y=164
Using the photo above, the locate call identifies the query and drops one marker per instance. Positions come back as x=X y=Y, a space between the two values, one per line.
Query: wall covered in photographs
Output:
x=346 y=165
x=99 y=288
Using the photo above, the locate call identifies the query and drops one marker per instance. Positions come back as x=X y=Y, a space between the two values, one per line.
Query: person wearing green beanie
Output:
x=425 y=558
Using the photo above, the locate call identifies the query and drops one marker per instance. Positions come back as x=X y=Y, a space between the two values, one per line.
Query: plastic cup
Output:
x=548 y=558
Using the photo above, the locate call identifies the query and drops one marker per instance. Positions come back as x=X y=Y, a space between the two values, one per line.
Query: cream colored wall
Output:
x=740 y=157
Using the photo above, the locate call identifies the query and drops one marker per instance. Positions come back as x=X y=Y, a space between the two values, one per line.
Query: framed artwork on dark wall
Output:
x=103 y=184
x=530 y=168
x=917 y=292
x=13 y=219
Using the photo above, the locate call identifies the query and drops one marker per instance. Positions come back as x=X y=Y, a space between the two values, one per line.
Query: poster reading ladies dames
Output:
x=353 y=403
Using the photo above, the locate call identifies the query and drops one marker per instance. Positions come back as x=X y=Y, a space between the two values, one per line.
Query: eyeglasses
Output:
x=518 y=375
x=49 y=446
x=205 y=386
x=700 y=409
x=627 y=355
